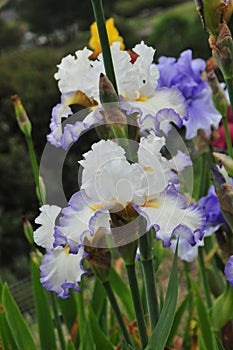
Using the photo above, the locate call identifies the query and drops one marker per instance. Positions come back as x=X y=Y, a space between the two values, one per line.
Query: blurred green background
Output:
x=34 y=36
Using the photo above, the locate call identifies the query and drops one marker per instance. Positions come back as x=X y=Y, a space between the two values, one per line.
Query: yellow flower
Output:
x=113 y=35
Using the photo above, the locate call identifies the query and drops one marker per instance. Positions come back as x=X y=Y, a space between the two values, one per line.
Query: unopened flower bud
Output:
x=218 y=94
x=107 y=91
x=226 y=161
x=222 y=50
x=113 y=114
x=224 y=192
x=213 y=13
x=221 y=311
x=28 y=230
x=21 y=116
x=41 y=191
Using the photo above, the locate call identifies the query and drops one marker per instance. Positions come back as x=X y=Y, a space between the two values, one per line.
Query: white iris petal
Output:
x=43 y=236
x=61 y=270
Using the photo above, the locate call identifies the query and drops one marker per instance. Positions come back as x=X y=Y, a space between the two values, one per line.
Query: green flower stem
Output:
x=137 y=304
x=151 y=295
x=35 y=168
x=229 y=84
x=97 y=6
x=58 y=322
x=204 y=165
x=145 y=246
x=204 y=277
x=117 y=312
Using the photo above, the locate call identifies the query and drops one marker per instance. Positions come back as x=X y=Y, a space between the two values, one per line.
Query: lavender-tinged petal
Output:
x=185 y=74
x=61 y=270
x=172 y=194
x=59 y=239
x=59 y=112
x=100 y=219
x=168 y=211
x=74 y=220
x=141 y=211
x=168 y=71
x=202 y=114
x=79 y=201
x=186 y=252
x=66 y=137
x=184 y=232
x=229 y=271
x=180 y=161
x=72 y=133
x=212 y=209
x=164 y=118
x=161 y=99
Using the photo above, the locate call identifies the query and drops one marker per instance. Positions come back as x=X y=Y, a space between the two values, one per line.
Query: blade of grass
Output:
x=17 y=324
x=178 y=316
x=207 y=333
x=99 y=337
x=43 y=313
x=121 y=289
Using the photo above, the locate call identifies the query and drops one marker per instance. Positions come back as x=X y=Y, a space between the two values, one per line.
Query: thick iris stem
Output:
x=201 y=192
x=35 y=168
x=203 y=168
x=137 y=304
x=97 y=6
x=58 y=322
x=117 y=312
x=152 y=301
x=145 y=247
x=229 y=84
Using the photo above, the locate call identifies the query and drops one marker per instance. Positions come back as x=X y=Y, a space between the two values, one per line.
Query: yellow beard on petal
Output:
x=149 y=169
x=142 y=98
x=95 y=207
x=67 y=249
x=151 y=204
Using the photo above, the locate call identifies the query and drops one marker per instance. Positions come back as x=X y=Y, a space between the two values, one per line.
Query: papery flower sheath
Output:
x=185 y=74
x=78 y=81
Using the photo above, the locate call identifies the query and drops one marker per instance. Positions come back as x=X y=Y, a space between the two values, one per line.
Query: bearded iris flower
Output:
x=112 y=185
x=214 y=216
x=61 y=268
x=185 y=74
x=78 y=81
x=229 y=271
